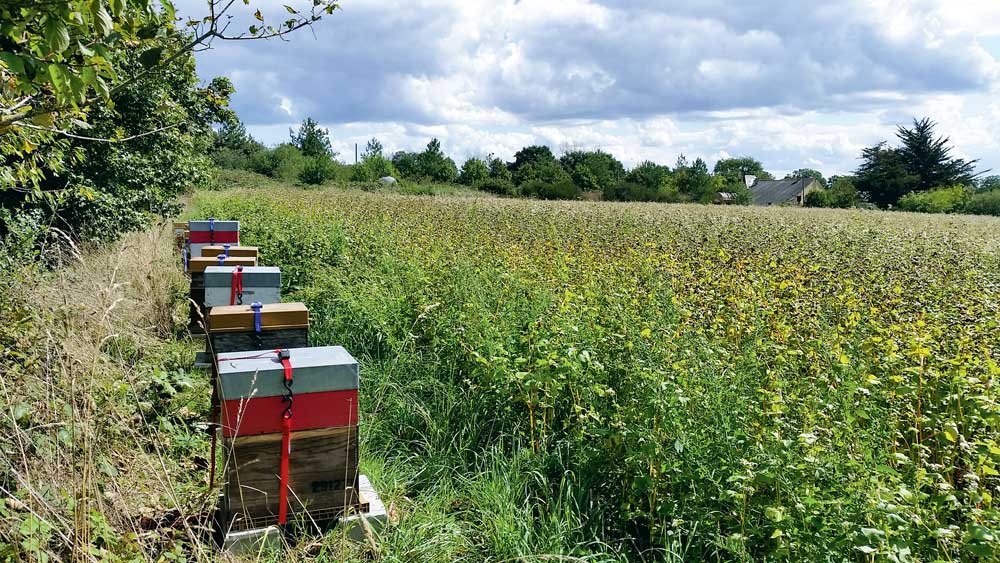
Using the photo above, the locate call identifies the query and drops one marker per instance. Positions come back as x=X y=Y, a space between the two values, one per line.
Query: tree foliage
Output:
x=312 y=139
x=62 y=59
x=593 y=170
x=922 y=161
x=807 y=173
x=735 y=170
x=841 y=193
x=474 y=171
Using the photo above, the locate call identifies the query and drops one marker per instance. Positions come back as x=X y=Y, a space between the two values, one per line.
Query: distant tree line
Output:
x=918 y=175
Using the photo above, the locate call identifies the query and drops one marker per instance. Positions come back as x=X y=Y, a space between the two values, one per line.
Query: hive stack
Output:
x=288 y=413
x=211 y=233
x=291 y=415
x=196 y=269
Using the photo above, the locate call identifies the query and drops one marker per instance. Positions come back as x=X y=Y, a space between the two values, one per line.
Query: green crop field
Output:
x=654 y=382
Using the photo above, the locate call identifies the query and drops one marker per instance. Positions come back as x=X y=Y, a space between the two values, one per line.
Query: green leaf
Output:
x=13 y=62
x=258 y=15
x=290 y=9
x=151 y=57
x=117 y=7
x=168 y=10
x=102 y=20
x=56 y=35
x=951 y=432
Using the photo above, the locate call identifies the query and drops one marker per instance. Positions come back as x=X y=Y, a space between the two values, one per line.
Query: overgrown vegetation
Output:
x=680 y=383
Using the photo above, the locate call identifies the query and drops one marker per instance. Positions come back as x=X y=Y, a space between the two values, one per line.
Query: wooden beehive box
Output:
x=214 y=250
x=322 y=476
x=196 y=267
x=280 y=325
x=261 y=284
x=211 y=232
x=324 y=453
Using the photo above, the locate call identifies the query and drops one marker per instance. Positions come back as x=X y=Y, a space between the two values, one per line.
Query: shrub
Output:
x=631 y=191
x=316 y=170
x=559 y=189
x=984 y=203
x=939 y=200
x=841 y=194
x=372 y=168
x=284 y=161
x=499 y=186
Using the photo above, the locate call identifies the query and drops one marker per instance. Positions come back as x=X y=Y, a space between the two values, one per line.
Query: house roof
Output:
x=776 y=192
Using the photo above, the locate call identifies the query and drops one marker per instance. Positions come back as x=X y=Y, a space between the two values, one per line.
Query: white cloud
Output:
x=792 y=83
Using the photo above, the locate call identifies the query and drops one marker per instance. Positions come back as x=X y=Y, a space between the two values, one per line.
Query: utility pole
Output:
x=355 y=153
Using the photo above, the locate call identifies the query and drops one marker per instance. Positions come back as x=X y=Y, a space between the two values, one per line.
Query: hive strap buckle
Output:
x=222 y=259
x=256 y=307
x=225 y=249
x=286 y=436
x=211 y=230
x=236 y=287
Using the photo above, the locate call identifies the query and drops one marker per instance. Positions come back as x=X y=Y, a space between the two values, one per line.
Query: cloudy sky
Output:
x=794 y=83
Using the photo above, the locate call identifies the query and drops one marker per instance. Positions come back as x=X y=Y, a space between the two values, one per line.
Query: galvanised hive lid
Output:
x=253 y=276
x=213 y=250
x=218 y=226
x=260 y=374
x=240 y=318
x=198 y=265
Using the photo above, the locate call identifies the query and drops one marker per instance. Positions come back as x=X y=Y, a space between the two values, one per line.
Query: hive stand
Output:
x=373 y=517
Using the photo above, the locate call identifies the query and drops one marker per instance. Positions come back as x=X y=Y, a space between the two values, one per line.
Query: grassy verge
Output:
x=100 y=448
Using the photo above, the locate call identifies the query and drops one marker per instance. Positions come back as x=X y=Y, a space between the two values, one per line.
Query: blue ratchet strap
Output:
x=222 y=259
x=225 y=247
x=211 y=230
x=256 y=306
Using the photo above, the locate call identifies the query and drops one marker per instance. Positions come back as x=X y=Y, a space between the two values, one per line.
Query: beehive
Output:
x=197 y=267
x=324 y=415
x=211 y=232
x=253 y=327
x=238 y=285
x=236 y=251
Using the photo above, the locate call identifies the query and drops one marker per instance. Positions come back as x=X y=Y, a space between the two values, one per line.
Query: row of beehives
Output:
x=288 y=412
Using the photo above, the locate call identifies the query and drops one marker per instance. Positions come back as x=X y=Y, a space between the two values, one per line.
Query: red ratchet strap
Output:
x=286 y=438
x=236 y=287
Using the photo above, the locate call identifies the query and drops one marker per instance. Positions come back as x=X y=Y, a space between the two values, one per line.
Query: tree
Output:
x=648 y=174
x=735 y=170
x=59 y=60
x=109 y=188
x=928 y=157
x=473 y=171
x=694 y=181
x=921 y=163
x=432 y=164
x=373 y=148
x=883 y=175
x=406 y=164
x=499 y=170
x=807 y=173
x=530 y=155
x=312 y=139
x=545 y=171
x=593 y=170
